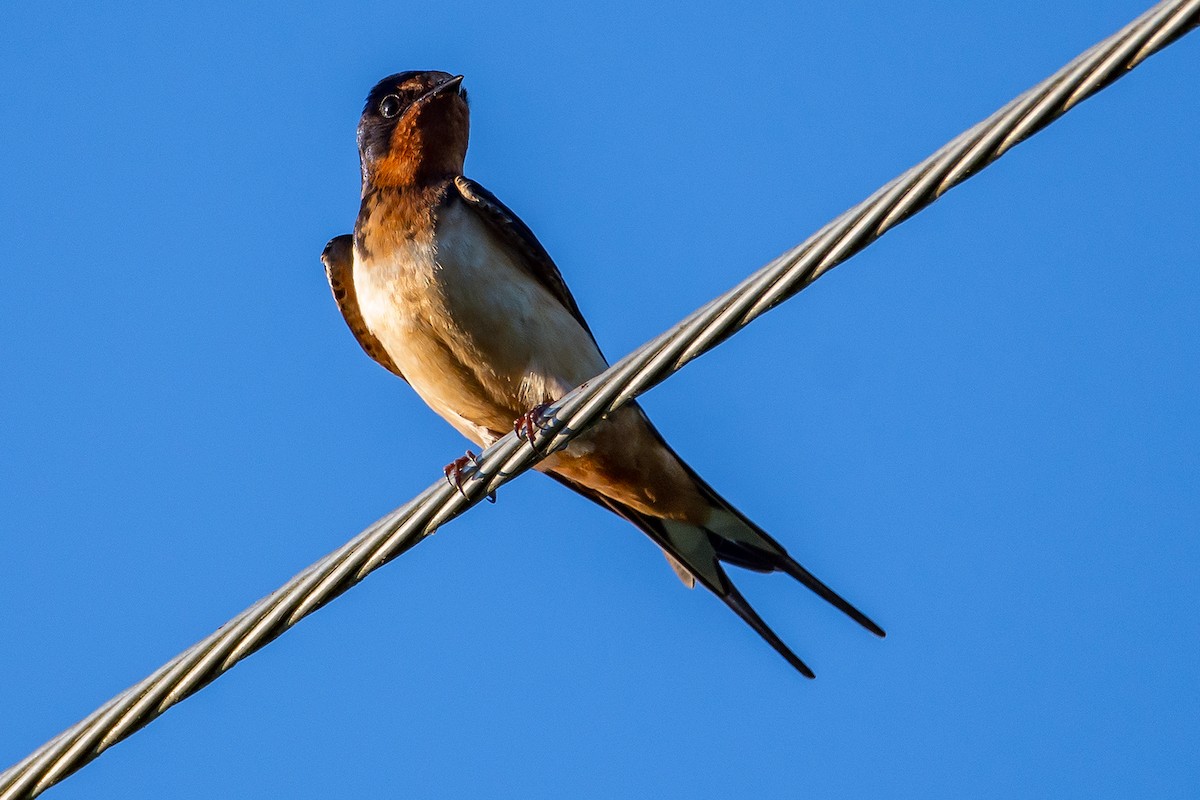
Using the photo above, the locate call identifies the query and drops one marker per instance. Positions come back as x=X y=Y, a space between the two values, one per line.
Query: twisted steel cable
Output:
x=652 y=363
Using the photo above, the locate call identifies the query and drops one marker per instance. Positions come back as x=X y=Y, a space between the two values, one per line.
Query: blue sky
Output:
x=983 y=431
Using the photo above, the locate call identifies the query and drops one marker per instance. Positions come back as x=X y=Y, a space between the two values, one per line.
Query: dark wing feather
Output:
x=722 y=587
x=338 y=258
x=770 y=556
x=643 y=522
x=518 y=236
x=701 y=558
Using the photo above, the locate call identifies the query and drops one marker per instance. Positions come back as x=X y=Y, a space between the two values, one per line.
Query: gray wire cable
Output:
x=644 y=368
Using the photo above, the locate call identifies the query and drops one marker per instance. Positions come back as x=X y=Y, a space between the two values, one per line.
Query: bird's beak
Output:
x=450 y=85
x=441 y=90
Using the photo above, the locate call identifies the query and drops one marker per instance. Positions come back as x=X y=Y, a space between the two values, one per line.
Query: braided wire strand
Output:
x=643 y=369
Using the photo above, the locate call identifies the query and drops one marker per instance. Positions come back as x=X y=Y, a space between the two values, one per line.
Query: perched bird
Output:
x=449 y=290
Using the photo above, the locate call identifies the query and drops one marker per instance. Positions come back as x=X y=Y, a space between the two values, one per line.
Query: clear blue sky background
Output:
x=983 y=431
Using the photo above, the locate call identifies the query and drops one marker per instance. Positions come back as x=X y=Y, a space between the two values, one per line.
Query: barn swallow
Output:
x=448 y=289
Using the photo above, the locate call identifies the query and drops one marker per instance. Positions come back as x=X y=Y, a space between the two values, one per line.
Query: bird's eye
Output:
x=389 y=106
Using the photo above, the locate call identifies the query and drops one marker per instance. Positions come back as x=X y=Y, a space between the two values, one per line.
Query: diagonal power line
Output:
x=643 y=369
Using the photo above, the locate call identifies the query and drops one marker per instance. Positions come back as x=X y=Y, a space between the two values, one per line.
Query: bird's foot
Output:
x=528 y=424
x=458 y=470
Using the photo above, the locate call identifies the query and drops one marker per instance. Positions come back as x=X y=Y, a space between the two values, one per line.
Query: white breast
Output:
x=479 y=339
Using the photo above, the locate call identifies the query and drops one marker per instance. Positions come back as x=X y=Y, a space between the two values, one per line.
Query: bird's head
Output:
x=413 y=129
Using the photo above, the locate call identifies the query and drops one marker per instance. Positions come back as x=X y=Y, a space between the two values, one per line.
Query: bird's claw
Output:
x=458 y=470
x=528 y=424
